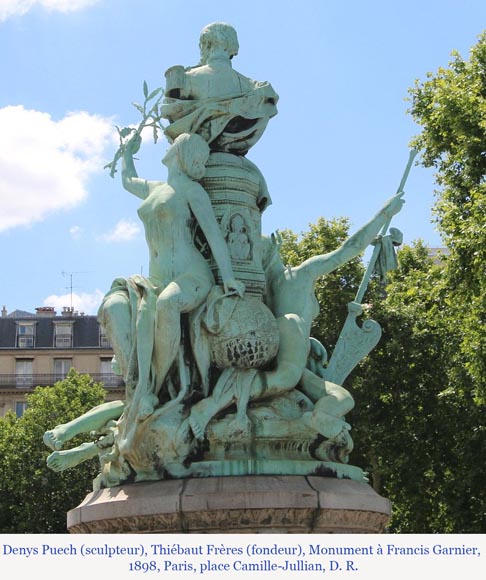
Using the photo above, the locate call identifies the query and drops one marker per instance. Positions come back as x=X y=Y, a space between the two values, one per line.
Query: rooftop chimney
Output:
x=45 y=311
x=4 y=312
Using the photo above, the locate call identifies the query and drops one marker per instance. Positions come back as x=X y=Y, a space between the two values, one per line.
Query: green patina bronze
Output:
x=222 y=376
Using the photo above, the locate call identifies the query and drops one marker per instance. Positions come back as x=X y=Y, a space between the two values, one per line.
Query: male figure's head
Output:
x=218 y=36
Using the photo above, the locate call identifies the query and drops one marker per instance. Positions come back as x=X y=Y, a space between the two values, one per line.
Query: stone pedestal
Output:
x=234 y=505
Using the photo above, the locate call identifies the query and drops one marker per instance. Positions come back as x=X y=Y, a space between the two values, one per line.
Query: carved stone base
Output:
x=234 y=505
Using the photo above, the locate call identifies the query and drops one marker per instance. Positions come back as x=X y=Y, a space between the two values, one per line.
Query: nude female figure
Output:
x=179 y=277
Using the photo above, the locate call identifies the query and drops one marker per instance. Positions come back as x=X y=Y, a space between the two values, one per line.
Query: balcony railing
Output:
x=8 y=381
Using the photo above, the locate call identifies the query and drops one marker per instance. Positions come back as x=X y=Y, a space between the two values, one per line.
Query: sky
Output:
x=71 y=69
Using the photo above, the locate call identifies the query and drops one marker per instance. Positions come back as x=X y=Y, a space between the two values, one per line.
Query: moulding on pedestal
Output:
x=227 y=505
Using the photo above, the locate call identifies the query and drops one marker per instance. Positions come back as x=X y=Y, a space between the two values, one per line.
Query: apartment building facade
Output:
x=39 y=349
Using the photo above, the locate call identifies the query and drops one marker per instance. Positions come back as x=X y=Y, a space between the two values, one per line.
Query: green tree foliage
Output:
x=450 y=107
x=416 y=424
x=34 y=499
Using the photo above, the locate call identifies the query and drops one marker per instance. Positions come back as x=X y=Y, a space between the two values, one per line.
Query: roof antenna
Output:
x=70 y=287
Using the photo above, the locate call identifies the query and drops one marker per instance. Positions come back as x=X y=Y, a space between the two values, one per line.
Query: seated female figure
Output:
x=142 y=315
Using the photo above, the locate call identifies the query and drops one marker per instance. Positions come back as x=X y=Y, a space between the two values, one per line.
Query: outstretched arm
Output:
x=130 y=180
x=353 y=246
x=201 y=207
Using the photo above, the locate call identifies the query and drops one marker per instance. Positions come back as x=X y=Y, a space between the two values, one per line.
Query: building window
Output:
x=63 y=334
x=105 y=366
x=104 y=340
x=108 y=377
x=61 y=367
x=24 y=373
x=25 y=334
x=20 y=407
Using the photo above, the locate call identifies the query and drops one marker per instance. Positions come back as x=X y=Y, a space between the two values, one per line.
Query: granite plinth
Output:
x=230 y=505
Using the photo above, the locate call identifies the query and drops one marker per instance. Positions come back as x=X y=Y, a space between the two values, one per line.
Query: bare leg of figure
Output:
x=332 y=403
x=61 y=460
x=170 y=304
x=181 y=295
x=221 y=398
x=144 y=399
x=115 y=316
x=160 y=340
x=158 y=347
x=291 y=357
x=91 y=421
